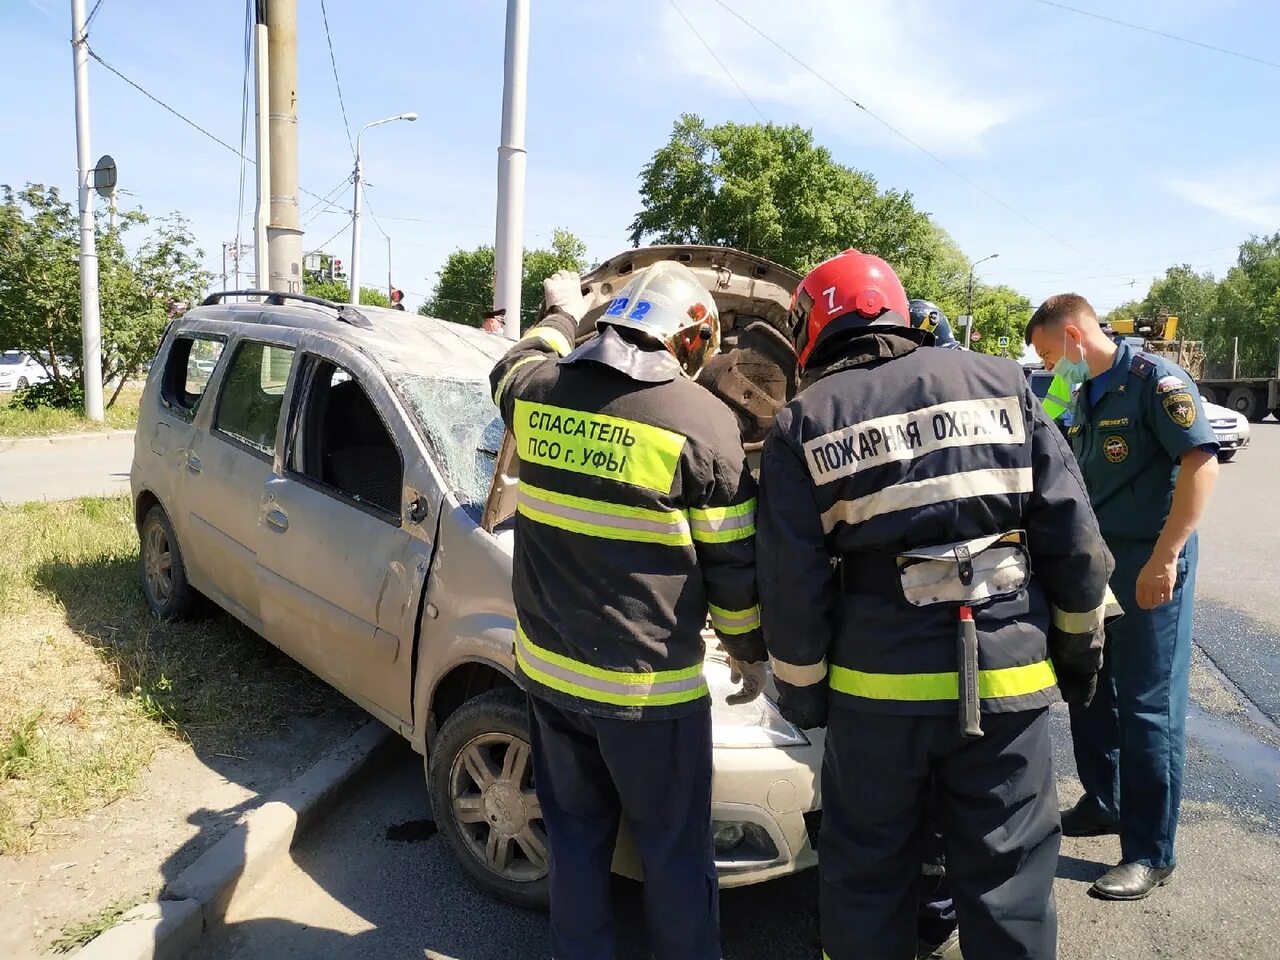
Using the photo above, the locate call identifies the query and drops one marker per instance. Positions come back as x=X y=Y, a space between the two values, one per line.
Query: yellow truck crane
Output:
x=1252 y=397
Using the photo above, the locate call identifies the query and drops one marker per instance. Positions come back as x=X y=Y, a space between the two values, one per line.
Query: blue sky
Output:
x=1135 y=151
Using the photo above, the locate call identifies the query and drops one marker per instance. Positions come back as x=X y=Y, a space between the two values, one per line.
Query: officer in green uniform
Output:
x=1149 y=459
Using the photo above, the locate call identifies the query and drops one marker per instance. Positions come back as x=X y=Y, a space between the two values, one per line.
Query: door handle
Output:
x=193 y=463
x=278 y=520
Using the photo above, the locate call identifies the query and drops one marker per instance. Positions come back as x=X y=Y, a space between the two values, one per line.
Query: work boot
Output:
x=1131 y=881
x=1084 y=820
x=947 y=950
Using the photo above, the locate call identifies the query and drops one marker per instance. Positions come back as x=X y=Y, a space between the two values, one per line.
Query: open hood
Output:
x=745 y=288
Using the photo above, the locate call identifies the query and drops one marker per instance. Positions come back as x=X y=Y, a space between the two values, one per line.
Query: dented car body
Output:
x=337 y=479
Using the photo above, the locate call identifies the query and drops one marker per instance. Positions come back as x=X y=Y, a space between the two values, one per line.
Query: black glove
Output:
x=806 y=707
x=1078 y=688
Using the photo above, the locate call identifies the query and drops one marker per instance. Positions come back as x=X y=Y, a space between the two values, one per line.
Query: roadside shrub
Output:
x=62 y=394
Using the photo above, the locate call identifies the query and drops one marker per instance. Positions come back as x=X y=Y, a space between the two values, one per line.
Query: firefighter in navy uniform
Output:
x=635 y=519
x=927 y=316
x=970 y=584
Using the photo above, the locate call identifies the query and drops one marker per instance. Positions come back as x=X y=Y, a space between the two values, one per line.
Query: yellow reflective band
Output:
x=597 y=445
x=552 y=337
x=734 y=622
x=916 y=687
x=723 y=524
x=506 y=377
x=1087 y=621
x=597 y=518
x=618 y=687
x=799 y=675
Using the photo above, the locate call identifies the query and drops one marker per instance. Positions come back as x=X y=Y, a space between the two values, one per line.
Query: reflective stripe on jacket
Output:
x=889 y=449
x=635 y=521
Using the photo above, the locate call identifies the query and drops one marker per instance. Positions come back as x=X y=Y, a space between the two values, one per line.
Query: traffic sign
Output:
x=104 y=176
x=1003 y=343
x=975 y=336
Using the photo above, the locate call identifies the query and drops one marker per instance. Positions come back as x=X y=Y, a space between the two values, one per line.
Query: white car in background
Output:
x=1231 y=429
x=19 y=370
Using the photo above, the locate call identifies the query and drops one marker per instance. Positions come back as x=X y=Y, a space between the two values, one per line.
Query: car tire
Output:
x=1212 y=395
x=494 y=829
x=22 y=384
x=1226 y=456
x=164 y=576
x=1246 y=402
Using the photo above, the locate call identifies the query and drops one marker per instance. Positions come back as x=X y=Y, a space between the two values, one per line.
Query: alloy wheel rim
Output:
x=158 y=565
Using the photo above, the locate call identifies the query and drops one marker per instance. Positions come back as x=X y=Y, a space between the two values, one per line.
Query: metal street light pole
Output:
x=90 y=317
x=968 y=324
x=355 y=205
x=509 y=229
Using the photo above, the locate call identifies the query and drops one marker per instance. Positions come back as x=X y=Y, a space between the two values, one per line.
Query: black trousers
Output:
x=996 y=804
x=591 y=771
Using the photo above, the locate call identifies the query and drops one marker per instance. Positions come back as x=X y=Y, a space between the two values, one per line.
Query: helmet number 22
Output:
x=619 y=307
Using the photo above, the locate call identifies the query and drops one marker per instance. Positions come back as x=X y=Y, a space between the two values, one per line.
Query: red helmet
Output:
x=850 y=284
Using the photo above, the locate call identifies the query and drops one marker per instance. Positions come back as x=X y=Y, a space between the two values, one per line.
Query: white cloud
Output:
x=1249 y=193
x=900 y=59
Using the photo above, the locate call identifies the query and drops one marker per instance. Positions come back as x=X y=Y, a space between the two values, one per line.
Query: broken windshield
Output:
x=462 y=427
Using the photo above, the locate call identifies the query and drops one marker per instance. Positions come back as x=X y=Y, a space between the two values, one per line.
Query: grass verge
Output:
x=76 y=935
x=46 y=421
x=91 y=685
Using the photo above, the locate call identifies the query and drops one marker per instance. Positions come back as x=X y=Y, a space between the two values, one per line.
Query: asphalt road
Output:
x=376 y=882
x=60 y=468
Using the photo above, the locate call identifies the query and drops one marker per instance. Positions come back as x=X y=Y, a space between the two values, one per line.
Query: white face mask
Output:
x=1074 y=372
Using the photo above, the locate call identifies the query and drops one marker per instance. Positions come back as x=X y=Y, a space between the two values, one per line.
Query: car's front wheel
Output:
x=1224 y=456
x=164 y=576
x=480 y=776
x=22 y=383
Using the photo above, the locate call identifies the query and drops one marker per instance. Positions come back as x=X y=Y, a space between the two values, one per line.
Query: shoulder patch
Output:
x=1143 y=366
x=1181 y=408
x=1169 y=384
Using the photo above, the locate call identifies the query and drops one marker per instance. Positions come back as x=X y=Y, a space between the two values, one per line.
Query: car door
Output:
x=346 y=552
x=227 y=463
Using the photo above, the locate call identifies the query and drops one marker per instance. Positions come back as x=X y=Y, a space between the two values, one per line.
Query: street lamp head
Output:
x=408 y=116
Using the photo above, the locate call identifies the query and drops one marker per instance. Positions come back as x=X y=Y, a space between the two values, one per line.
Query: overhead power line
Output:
x=1159 y=33
x=994 y=198
x=92 y=13
x=732 y=79
x=346 y=125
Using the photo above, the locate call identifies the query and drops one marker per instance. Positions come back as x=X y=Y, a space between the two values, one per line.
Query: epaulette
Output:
x=1143 y=365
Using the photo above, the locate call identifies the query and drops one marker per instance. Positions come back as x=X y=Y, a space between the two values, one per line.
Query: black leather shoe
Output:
x=1131 y=881
x=1083 y=820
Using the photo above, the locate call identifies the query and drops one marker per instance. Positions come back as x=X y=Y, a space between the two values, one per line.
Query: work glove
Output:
x=563 y=291
x=1078 y=688
x=806 y=707
x=750 y=675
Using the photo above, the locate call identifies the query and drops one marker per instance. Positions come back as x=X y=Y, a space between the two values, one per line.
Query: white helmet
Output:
x=667 y=303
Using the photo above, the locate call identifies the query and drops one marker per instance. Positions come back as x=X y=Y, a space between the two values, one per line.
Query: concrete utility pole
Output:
x=262 y=138
x=284 y=235
x=509 y=239
x=224 y=266
x=354 y=273
x=389 y=287
x=90 y=318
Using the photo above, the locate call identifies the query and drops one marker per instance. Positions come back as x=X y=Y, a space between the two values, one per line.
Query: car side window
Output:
x=253 y=393
x=187 y=372
x=340 y=442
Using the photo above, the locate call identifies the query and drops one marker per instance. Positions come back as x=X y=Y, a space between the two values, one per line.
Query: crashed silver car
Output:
x=335 y=477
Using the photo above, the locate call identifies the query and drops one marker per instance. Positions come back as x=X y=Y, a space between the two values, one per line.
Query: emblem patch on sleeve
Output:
x=1115 y=449
x=1181 y=408
x=1170 y=384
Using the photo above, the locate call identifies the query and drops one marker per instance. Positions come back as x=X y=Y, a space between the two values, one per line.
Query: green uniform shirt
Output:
x=1131 y=426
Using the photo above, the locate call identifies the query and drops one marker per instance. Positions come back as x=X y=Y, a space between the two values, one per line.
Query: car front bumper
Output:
x=1231 y=440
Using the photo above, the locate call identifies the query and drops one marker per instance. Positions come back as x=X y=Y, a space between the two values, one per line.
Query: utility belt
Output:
x=963 y=576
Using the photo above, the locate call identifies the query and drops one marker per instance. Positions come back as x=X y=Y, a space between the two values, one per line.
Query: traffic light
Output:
x=396 y=295
x=335 y=269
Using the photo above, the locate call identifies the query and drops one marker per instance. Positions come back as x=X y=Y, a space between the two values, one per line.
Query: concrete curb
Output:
x=200 y=896
x=55 y=438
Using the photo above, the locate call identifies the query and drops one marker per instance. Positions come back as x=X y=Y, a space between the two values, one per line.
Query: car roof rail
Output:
x=347 y=313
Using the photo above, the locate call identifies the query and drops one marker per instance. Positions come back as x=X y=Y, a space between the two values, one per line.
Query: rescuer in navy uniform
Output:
x=970 y=584
x=1149 y=458
x=635 y=520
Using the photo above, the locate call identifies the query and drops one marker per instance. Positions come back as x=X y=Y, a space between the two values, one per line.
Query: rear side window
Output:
x=253 y=393
x=187 y=372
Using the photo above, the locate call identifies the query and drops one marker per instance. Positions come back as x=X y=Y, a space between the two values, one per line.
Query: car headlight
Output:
x=754 y=724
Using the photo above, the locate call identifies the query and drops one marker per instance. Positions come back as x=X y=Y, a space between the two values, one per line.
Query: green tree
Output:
x=1191 y=297
x=999 y=311
x=1248 y=307
x=770 y=190
x=339 y=292
x=40 y=284
x=464 y=285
